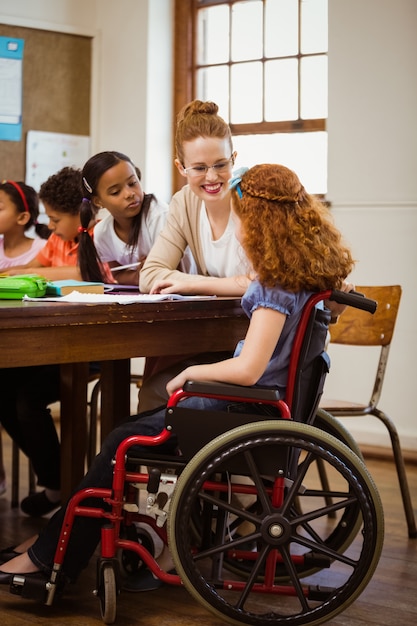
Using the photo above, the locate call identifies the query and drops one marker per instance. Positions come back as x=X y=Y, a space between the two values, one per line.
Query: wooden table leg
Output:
x=74 y=381
x=115 y=394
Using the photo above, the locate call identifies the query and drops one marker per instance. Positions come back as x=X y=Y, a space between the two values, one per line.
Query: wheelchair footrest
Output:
x=30 y=587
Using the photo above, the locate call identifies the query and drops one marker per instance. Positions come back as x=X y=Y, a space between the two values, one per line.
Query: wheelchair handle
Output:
x=354 y=299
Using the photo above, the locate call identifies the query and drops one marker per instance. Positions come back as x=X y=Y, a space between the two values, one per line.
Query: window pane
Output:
x=213 y=84
x=314 y=87
x=246 y=31
x=281 y=28
x=281 y=90
x=246 y=93
x=314 y=26
x=305 y=153
x=213 y=35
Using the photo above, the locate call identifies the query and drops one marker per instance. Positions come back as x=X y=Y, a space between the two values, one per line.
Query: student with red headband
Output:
x=69 y=252
x=19 y=211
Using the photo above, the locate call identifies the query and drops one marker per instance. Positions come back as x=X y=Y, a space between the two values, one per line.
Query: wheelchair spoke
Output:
x=252 y=578
x=294 y=577
x=259 y=484
x=229 y=507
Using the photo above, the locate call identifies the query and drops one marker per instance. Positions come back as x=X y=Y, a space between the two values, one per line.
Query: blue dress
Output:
x=291 y=305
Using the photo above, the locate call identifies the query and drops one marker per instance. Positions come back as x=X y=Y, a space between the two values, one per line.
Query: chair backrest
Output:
x=358 y=328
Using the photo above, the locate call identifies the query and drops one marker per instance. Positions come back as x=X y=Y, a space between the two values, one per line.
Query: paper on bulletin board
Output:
x=11 y=79
x=47 y=153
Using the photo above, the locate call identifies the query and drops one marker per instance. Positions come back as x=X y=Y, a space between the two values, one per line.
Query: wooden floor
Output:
x=389 y=599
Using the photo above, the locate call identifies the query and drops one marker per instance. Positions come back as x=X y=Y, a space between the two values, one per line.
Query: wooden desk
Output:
x=35 y=333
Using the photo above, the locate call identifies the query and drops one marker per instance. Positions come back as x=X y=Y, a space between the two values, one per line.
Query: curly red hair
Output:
x=288 y=234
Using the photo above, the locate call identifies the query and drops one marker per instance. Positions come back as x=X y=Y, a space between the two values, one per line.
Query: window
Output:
x=264 y=62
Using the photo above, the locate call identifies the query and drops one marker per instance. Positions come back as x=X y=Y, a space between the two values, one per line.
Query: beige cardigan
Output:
x=182 y=229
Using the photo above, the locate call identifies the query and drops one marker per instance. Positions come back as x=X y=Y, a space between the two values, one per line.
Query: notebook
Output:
x=64 y=287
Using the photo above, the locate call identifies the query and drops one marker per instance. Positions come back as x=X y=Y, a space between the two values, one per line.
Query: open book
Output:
x=107 y=298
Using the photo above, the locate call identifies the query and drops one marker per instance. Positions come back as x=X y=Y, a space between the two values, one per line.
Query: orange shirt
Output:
x=58 y=253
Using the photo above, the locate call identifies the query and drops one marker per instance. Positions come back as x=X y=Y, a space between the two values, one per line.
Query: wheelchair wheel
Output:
x=287 y=526
x=107 y=593
x=330 y=424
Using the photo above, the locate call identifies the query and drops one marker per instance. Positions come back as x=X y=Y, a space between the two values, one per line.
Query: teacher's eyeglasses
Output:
x=201 y=170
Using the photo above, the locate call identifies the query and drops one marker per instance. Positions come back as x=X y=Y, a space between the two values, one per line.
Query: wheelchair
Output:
x=270 y=514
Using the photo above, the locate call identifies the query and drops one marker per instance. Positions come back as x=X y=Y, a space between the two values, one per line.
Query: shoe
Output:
x=144 y=580
x=37 y=504
x=7 y=554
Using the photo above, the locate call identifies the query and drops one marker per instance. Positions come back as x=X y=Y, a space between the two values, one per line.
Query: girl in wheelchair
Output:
x=294 y=249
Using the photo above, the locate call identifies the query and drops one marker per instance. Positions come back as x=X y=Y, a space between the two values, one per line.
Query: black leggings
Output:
x=26 y=393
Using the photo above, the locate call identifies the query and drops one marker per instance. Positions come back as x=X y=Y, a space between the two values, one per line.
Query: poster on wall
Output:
x=47 y=153
x=11 y=87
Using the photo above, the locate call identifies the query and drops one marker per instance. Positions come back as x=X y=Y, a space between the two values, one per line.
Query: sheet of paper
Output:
x=48 y=152
x=108 y=298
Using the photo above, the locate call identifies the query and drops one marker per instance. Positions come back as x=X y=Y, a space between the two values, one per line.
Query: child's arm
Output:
x=246 y=369
x=51 y=273
x=204 y=286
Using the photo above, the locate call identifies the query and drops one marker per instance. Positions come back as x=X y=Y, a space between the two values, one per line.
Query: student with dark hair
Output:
x=19 y=211
x=126 y=234
x=69 y=251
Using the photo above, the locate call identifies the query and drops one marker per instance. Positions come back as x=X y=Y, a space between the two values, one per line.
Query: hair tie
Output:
x=86 y=185
x=234 y=182
x=21 y=194
x=86 y=200
x=81 y=229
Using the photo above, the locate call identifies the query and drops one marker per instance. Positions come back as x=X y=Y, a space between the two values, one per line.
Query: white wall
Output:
x=372 y=142
x=373 y=183
x=135 y=90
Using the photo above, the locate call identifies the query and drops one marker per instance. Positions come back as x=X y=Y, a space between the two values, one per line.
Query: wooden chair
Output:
x=358 y=328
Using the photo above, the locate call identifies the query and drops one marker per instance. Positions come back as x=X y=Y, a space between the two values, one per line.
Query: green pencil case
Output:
x=16 y=287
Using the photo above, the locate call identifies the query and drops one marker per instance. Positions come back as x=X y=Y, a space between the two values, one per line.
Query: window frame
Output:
x=185 y=69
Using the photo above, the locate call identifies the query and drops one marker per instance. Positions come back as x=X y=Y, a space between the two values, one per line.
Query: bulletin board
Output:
x=11 y=63
x=56 y=90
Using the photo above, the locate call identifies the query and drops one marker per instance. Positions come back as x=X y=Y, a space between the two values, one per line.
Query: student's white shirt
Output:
x=224 y=257
x=111 y=248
